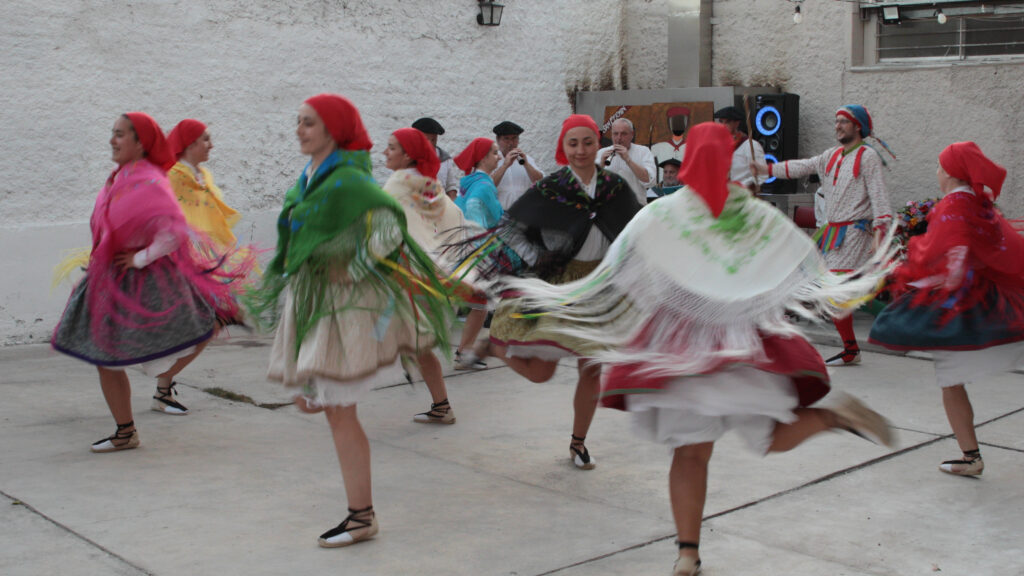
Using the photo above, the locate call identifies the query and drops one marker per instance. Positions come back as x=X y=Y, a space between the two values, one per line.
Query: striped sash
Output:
x=831 y=236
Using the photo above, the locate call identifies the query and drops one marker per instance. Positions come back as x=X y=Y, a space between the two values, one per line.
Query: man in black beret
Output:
x=732 y=118
x=446 y=175
x=670 y=173
x=516 y=171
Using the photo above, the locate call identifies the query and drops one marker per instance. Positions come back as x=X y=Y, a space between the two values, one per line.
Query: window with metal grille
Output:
x=967 y=31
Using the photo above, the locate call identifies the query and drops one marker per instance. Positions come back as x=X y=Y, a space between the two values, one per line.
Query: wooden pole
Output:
x=750 y=140
x=650 y=144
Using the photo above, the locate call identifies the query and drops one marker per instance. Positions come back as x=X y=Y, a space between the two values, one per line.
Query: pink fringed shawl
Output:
x=135 y=204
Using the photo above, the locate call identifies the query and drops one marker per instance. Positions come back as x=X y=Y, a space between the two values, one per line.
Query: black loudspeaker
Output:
x=775 y=120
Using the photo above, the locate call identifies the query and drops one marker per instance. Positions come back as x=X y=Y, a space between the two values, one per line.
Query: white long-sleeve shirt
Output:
x=164 y=242
x=641 y=155
x=514 y=182
x=740 y=171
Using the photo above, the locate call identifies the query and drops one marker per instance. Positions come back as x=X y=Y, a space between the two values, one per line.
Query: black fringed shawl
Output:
x=548 y=225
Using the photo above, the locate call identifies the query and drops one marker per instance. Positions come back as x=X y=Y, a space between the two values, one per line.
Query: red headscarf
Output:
x=707 y=163
x=574 y=121
x=417 y=147
x=184 y=134
x=152 y=139
x=477 y=149
x=965 y=161
x=342 y=120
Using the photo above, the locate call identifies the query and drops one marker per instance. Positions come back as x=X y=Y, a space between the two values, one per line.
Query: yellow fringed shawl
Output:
x=203 y=206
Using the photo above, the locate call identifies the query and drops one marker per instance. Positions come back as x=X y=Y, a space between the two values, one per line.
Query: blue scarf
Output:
x=478 y=199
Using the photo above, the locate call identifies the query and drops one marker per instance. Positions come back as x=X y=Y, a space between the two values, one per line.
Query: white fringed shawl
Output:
x=680 y=291
x=428 y=211
x=432 y=219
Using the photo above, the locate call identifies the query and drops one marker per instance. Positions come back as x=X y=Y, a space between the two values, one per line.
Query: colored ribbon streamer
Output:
x=398 y=269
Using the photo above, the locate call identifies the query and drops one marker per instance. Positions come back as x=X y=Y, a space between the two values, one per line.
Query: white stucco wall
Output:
x=917 y=111
x=243 y=67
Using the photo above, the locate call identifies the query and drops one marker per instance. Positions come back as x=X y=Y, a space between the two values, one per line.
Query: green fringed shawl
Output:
x=340 y=198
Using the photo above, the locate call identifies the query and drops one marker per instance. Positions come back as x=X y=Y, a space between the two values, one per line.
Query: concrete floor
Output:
x=235 y=488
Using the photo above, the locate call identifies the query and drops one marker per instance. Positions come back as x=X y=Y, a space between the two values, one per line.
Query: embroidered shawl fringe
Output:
x=367 y=281
x=637 y=314
x=74 y=259
x=488 y=255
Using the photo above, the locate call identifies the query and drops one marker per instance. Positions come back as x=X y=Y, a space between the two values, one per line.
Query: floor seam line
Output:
x=77 y=535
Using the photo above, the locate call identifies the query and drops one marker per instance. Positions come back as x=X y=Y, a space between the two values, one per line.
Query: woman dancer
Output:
x=205 y=212
x=963 y=284
x=561 y=228
x=200 y=198
x=688 y=308
x=428 y=213
x=359 y=292
x=147 y=296
x=478 y=199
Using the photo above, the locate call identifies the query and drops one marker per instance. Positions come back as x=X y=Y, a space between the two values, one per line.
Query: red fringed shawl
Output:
x=995 y=254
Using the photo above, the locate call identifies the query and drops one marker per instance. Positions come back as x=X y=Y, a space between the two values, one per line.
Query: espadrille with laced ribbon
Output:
x=125 y=438
x=580 y=455
x=164 y=401
x=970 y=465
x=439 y=413
x=686 y=565
x=359 y=525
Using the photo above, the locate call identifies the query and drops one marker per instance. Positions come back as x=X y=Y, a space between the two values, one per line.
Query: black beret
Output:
x=671 y=161
x=729 y=113
x=507 y=128
x=428 y=126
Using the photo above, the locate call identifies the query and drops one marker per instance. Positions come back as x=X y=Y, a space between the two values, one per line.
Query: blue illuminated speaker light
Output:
x=769 y=159
x=768 y=120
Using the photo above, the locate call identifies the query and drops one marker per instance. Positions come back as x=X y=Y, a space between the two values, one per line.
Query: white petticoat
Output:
x=323 y=391
x=698 y=409
x=966 y=366
x=154 y=368
x=160 y=365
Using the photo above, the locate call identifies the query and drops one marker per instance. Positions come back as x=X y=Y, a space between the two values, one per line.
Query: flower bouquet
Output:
x=912 y=220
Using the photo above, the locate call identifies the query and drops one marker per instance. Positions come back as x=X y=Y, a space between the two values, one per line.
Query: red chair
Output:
x=803 y=216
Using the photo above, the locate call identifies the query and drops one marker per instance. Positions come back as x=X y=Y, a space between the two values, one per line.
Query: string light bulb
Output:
x=797 y=16
x=940 y=17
